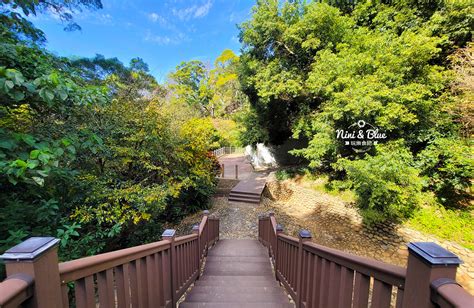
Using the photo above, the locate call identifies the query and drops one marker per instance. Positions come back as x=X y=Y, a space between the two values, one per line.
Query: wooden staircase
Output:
x=237 y=274
x=248 y=191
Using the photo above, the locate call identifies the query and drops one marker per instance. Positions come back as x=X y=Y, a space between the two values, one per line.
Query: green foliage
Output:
x=15 y=27
x=449 y=166
x=387 y=185
x=90 y=153
x=449 y=224
x=311 y=68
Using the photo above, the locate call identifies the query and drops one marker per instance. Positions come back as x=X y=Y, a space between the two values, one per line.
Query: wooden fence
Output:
x=228 y=150
x=318 y=276
x=151 y=275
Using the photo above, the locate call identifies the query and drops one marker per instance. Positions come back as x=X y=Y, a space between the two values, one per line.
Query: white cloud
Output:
x=195 y=11
x=164 y=39
x=154 y=17
x=203 y=10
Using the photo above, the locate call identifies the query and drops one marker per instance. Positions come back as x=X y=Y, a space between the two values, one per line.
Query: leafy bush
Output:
x=448 y=165
x=387 y=184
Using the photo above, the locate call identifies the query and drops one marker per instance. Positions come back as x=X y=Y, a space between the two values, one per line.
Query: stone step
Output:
x=235 y=305
x=235 y=297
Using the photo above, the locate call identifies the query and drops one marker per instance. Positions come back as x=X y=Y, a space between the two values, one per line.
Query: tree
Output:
x=14 y=26
x=189 y=84
x=227 y=95
x=310 y=69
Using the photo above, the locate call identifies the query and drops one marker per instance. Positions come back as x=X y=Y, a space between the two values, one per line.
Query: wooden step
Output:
x=238 y=281
x=234 y=199
x=239 y=196
x=245 y=193
x=230 y=279
x=235 y=305
x=236 y=289
x=235 y=297
x=236 y=259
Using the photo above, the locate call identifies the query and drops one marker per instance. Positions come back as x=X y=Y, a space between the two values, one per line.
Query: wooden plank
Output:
x=105 y=285
x=160 y=290
x=334 y=284
x=85 y=293
x=151 y=281
x=122 y=279
x=134 y=295
x=382 y=294
x=167 y=275
x=309 y=270
x=142 y=282
x=324 y=284
x=399 y=298
x=361 y=291
x=346 y=287
x=65 y=295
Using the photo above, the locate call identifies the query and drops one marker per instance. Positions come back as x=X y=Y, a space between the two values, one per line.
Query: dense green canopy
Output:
x=310 y=68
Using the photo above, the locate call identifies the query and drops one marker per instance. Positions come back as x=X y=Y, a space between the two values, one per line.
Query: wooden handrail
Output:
x=318 y=276
x=446 y=293
x=150 y=275
x=15 y=290
x=391 y=274
x=80 y=268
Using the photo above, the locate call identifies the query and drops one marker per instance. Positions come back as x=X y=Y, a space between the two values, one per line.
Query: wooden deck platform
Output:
x=237 y=273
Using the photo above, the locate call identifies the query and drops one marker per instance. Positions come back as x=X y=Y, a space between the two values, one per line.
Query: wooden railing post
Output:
x=38 y=258
x=206 y=230
x=427 y=262
x=279 y=230
x=198 y=252
x=236 y=172
x=169 y=234
x=303 y=235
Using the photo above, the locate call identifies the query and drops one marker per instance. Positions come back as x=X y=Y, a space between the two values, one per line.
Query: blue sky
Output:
x=162 y=32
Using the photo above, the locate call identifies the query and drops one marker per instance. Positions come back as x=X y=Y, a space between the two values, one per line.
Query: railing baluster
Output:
x=381 y=294
x=399 y=303
x=361 y=291
x=324 y=284
x=159 y=279
x=85 y=293
x=346 y=287
x=152 y=277
x=65 y=295
x=334 y=284
x=134 y=283
x=123 y=286
x=105 y=285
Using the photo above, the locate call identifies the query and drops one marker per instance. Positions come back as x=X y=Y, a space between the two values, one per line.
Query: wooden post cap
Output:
x=279 y=228
x=168 y=233
x=205 y=212
x=433 y=254
x=304 y=234
x=30 y=249
x=195 y=228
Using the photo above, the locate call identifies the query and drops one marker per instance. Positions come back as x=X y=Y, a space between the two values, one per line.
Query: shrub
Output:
x=387 y=185
x=448 y=165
